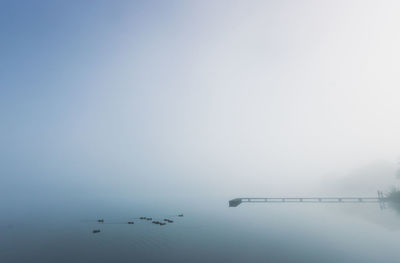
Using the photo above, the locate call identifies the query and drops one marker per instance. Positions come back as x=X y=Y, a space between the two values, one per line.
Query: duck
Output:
x=161 y=224
x=96 y=231
x=181 y=215
x=142 y=217
x=100 y=220
x=130 y=222
x=149 y=218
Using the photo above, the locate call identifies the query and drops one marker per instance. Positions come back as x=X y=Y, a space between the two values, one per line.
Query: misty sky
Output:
x=169 y=99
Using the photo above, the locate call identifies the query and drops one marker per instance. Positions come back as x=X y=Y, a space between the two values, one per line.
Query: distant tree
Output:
x=398 y=171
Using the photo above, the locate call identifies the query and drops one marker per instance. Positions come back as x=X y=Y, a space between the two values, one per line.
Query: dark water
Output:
x=214 y=233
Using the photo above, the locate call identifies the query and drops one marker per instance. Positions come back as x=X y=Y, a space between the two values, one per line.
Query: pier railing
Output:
x=380 y=199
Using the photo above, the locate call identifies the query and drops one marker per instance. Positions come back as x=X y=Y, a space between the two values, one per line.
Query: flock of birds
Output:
x=161 y=223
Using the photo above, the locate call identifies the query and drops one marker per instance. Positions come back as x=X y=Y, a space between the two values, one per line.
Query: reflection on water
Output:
x=249 y=233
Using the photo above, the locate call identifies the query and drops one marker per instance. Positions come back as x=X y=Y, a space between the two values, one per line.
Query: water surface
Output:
x=213 y=233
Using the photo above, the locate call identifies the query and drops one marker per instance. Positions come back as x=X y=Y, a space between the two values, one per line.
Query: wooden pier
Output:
x=380 y=199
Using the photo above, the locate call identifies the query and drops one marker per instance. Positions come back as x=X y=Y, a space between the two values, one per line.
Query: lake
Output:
x=208 y=233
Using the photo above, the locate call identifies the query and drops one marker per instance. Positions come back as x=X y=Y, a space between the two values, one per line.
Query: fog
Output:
x=180 y=102
x=124 y=109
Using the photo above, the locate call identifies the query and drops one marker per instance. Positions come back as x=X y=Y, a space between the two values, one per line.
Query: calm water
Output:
x=215 y=233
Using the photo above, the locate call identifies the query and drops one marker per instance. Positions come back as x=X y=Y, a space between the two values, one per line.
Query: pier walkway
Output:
x=380 y=199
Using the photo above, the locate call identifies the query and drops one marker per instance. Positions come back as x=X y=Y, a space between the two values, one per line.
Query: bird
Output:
x=96 y=231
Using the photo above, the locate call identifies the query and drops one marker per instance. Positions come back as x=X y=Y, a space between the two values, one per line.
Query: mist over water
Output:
x=152 y=108
x=277 y=232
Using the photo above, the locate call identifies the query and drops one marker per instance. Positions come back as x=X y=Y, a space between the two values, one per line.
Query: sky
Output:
x=177 y=100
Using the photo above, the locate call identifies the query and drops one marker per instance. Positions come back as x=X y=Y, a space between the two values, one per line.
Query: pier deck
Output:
x=237 y=201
